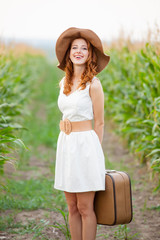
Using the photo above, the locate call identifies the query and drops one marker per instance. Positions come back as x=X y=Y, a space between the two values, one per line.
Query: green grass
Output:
x=31 y=227
x=28 y=194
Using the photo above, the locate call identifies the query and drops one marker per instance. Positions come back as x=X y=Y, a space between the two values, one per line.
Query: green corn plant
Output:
x=123 y=232
x=64 y=228
x=132 y=89
x=17 y=78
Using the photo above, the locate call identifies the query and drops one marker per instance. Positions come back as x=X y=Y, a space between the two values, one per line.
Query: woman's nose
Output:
x=78 y=50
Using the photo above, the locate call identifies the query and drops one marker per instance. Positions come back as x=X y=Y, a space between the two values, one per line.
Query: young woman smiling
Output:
x=80 y=163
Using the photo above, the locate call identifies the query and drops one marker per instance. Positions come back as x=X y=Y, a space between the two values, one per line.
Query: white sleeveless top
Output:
x=77 y=108
x=80 y=162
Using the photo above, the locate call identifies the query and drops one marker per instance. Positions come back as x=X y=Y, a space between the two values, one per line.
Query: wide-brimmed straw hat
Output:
x=70 y=34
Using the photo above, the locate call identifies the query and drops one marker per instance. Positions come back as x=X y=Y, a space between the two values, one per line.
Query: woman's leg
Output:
x=75 y=221
x=86 y=208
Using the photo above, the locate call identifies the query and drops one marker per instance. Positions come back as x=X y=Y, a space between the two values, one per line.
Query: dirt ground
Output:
x=146 y=222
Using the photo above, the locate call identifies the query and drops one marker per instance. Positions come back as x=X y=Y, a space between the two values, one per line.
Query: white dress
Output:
x=80 y=162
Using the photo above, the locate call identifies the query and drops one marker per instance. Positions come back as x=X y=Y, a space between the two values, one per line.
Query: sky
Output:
x=47 y=19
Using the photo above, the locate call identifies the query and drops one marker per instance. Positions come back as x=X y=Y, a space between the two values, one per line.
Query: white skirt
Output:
x=80 y=162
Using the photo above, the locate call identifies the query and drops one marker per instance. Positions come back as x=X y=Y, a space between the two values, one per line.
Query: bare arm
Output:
x=97 y=96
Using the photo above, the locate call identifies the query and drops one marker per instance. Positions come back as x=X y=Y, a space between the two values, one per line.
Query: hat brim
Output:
x=68 y=35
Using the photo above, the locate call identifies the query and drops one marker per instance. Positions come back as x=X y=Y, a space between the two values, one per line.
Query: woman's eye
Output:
x=82 y=48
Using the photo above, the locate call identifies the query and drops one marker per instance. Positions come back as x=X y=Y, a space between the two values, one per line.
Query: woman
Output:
x=80 y=163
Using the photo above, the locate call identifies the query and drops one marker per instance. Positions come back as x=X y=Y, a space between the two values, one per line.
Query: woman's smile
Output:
x=79 y=51
x=78 y=56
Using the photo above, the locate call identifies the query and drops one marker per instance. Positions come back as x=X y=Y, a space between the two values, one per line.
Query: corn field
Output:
x=29 y=118
x=17 y=77
x=132 y=97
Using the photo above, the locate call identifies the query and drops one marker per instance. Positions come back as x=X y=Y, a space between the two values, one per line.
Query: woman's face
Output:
x=79 y=51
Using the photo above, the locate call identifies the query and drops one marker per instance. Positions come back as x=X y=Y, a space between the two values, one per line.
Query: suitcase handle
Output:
x=110 y=171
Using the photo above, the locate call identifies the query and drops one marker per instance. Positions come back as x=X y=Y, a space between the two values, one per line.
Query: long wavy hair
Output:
x=87 y=75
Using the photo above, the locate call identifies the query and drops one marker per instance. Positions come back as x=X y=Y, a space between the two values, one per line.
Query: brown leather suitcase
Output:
x=114 y=205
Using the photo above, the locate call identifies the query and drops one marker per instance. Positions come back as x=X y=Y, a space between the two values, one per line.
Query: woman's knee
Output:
x=72 y=208
x=72 y=203
x=84 y=209
x=85 y=203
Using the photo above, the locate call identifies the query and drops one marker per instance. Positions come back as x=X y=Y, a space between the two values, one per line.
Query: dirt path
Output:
x=146 y=223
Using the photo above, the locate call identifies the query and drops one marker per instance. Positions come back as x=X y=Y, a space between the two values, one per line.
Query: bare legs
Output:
x=89 y=222
x=75 y=221
x=82 y=219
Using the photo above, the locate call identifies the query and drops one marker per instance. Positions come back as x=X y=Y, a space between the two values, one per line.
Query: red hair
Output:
x=87 y=75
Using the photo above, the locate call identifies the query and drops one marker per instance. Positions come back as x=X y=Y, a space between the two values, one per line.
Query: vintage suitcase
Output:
x=114 y=205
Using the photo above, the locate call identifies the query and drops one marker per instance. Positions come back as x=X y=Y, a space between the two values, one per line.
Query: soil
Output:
x=145 y=223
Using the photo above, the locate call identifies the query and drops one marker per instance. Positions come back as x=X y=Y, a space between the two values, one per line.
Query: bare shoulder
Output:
x=95 y=83
x=95 y=87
